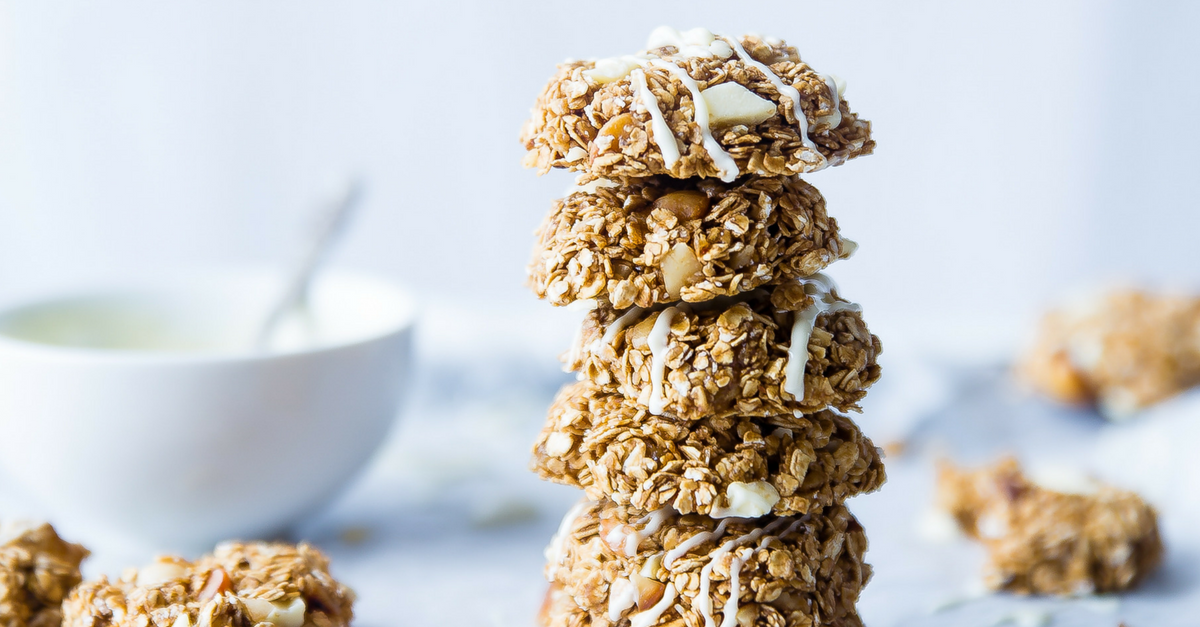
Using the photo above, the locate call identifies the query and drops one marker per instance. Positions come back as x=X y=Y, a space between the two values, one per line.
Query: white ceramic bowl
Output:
x=145 y=413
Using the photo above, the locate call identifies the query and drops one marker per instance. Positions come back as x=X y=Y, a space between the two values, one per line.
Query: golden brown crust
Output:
x=728 y=356
x=37 y=570
x=615 y=449
x=1128 y=350
x=613 y=240
x=810 y=576
x=232 y=587
x=1044 y=542
x=565 y=129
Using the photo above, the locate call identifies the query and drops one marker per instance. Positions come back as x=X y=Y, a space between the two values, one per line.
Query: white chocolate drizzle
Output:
x=657 y=341
x=633 y=538
x=660 y=132
x=622 y=595
x=724 y=162
x=554 y=552
x=683 y=547
x=650 y=616
x=703 y=600
x=784 y=90
x=616 y=327
x=821 y=288
x=735 y=590
x=833 y=119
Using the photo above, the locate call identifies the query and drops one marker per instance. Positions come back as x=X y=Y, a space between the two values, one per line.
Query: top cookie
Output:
x=694 y=104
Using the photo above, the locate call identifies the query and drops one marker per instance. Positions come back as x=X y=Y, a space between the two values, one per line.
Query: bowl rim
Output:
x=405 y=320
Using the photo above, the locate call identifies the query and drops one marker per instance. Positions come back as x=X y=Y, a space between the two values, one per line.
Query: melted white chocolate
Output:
x=784 y=90
x=554 y=552
x=657 y=341
x=821 y=288
x=683 y=547
x=651 y=615
x=660 y=131
x=724 y=162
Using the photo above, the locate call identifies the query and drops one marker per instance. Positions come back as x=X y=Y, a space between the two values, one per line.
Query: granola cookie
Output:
x=694 y=105
x=37 y=570
x=720 y=467
x=1040 y=541
x=1125 y=351
x=623 y=567
x=733 y=356
x=238 y=585
x=657 y=240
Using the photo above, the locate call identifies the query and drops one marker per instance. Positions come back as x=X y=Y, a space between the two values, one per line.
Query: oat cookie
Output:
x=733 y=356
x=623 y=567
x=1125 y=351
x=37 y=570
x=238 y=585
x=694 y=105
x=656 y=240
x=1042 y=541
x=720 y=467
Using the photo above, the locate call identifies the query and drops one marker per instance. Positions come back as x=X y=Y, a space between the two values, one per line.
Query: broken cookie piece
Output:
x=37 y=571
x=1083 y=538
x=1123 y=352
x=238 y=585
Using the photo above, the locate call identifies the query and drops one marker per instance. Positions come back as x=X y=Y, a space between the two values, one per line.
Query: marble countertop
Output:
x=447 y=525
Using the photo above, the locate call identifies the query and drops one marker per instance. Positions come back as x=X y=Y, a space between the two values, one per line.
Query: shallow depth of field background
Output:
x=1026 y=150
x=1024 y=147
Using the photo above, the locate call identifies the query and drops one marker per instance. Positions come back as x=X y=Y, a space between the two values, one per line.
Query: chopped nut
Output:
x=218 y=583
x=685 y=205
x=649 y=591
x=730 y=104
x=680 y=268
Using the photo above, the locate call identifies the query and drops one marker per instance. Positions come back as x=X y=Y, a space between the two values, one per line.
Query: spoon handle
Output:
x=332 y=222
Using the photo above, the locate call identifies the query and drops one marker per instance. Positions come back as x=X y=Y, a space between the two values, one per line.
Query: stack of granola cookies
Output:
x=716 y=362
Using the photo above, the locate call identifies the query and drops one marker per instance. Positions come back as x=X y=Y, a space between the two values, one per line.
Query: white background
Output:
x=1024 y=147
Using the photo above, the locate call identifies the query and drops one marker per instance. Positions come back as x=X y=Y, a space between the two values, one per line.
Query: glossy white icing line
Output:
x=651 y=523
x=651 y=615
x=683 y=547
x=833 y=119
x=622 y=595
x=724 y=162
x=784 y=90
x=703 y=600
x=616 y=327
x=730 y=609
x=657 y=341
x=554 y=552
x=660 y=132
x=821 y=288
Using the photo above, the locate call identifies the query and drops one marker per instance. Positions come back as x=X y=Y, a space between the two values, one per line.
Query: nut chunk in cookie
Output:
x=37 y=570
x=1086 y=538
x=238 y=585
x=657 y=240
x=694 y=104
x=622 y=566
x=795 y=348
x=1125 y=351
x=719 y=467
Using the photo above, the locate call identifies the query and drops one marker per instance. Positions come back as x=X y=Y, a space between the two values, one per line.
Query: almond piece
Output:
x=688 y=204
x=680 y=268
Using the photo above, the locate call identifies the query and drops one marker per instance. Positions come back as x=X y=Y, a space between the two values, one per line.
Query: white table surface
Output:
x=447 y=525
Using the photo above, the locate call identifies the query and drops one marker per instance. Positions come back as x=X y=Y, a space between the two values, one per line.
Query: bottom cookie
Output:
x=610 y=565
x=1041 y=541
x=238 y=585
